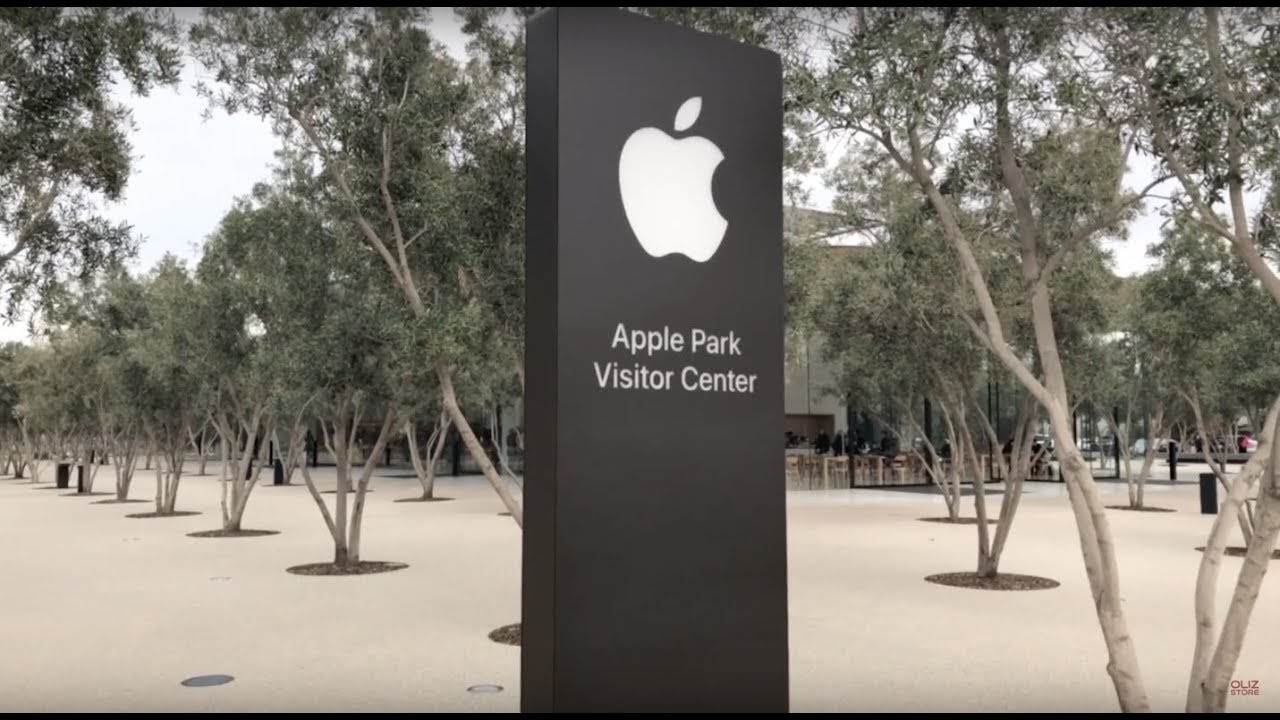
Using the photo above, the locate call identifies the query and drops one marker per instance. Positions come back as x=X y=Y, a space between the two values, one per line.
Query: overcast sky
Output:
x=188 y=170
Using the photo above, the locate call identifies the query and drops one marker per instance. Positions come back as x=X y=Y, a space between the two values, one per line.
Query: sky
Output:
x=189 y=170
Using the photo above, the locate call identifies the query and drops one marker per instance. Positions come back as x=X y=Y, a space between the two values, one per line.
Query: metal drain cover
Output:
x=485 y=689
x=207 y=680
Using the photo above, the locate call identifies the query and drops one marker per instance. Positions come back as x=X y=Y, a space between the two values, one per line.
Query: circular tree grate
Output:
x=207 y=680
x=507 y=634
x=1238 y=551
x=1000 y=581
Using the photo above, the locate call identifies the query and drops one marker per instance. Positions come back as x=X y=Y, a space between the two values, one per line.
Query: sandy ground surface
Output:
x=99 y=612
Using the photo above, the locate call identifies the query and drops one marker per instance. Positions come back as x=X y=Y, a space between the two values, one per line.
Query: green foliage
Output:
x=325 y=324
x=892 y=313
x=414 y=171
x=424 y=158
x=1207 y=326
x=168 y=348
x=1162 y=65
x=63 y=140
x=9 y=393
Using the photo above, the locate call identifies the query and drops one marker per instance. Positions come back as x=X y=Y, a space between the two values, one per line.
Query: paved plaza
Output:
x=105 y=613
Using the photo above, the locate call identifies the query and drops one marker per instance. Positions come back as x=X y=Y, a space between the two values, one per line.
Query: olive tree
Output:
x=376 y=101
x=1042 y=156
x=64 y=137
x=899 y=337
x=168 y=348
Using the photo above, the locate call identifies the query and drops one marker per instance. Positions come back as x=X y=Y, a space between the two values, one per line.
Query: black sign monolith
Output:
x=654 y=497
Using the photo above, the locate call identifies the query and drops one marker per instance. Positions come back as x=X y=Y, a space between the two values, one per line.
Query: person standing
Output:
x=823 y=443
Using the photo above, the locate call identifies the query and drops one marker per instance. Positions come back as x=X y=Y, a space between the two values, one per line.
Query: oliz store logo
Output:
x=1245 y=687
x=666 y=189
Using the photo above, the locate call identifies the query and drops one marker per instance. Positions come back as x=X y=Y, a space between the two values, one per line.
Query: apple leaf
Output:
x=687 y=115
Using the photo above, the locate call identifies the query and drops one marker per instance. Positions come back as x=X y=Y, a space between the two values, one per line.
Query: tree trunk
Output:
x=357 y=513
x=339 y=541
x=233 y=523
x=1248 y=585
x=222 y=492
x=426 y=476
x=204 y=458
x=173 y=458
x=33 y=456
x=436 y=451
x=1137 y=499
x=285 y=457
x=425 y=472
x=1096 y=540
x=1098 y=548
x=950 y=484
x=500 y=444
x=125 y=463
x=1094 y=528
x=952 y=492
x=297 y=452
x=1211 y=562
x=200 y=446
x=986 y=566
x=242 y=487
x=990 y=549
x=91 y=471
x=230 y=465
x=240 y=499
x=1020 y=464
x=159 y=488
x=450 y=398
x=1097 y=543
x=170 y=490
x=342 y=454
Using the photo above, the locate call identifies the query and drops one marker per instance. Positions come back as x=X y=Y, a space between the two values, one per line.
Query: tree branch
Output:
x=23 y=238
x=1014 y=179
x=1102 y=220
x=370 y=235
x=1241 y=237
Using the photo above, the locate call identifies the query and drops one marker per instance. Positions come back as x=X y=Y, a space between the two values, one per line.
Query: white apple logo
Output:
x=666 y=189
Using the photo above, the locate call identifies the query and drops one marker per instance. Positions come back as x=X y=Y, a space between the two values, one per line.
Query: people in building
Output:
x=822 y=444
x=888 y=444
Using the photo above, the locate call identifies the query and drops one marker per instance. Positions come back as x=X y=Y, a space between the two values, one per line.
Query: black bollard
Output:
x=1115 y=439
x=62 y=476
x=1208 y=494
x=1173 y=461
x=80 y=478
x=277 y=472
